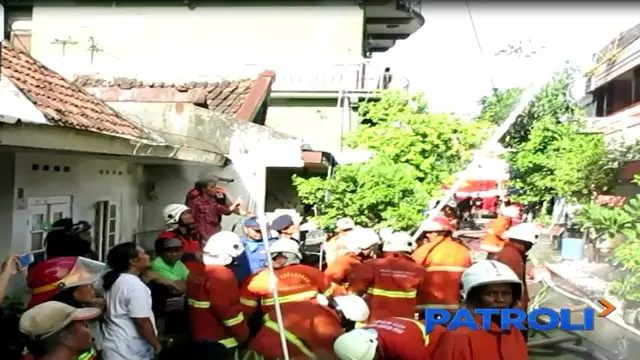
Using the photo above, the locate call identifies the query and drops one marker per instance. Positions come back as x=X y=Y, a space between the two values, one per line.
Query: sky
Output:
x=444 y=61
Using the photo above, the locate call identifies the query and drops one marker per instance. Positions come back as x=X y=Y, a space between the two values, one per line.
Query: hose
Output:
x=549 y=282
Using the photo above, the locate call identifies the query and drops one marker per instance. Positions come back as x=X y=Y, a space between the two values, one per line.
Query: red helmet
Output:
x=438 y=223
x=50 y=277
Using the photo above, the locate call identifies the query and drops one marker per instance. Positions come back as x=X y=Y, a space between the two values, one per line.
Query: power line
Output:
x=480 y=49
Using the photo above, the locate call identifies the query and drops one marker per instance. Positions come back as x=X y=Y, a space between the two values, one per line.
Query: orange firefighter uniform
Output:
x=492 y=241
x=401 y=338
x=466 y=344
x=394 y=285
x=444 y=260
x=340 y=270
x=295 y=283
x=434 y=337
x=310 y=330
x=215 y=312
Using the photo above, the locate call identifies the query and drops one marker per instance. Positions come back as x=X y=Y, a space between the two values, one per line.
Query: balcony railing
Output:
x=354 y=77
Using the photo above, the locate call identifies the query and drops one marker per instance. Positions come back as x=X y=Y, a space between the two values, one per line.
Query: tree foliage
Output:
x=416 y=152
x=497 y=106
x=550 y=155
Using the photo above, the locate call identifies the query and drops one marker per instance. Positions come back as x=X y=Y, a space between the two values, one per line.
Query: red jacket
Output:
x=400 y=338
x=315 y=326
x=215 y=312
x=495 y=344
x=394 y=285
x=295 y=283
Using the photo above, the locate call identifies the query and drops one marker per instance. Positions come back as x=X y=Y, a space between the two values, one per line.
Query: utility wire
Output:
x=480 y=49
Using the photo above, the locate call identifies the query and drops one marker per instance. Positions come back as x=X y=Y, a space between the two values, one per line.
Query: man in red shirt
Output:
x=208 y=207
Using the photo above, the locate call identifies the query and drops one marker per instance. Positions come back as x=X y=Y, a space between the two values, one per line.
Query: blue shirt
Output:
x=252 y=260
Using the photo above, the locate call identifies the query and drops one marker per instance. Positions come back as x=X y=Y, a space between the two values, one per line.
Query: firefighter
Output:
x=521 y=238
x=360 y=244
x=335 y=246
x=493 y=240
x=216 y=320
x=68 y=280
x=311 y=328
x=395 y=285
x=179 y=220
x=296 y=282
x=444 y=259
x=391 y=338
x=487 y=284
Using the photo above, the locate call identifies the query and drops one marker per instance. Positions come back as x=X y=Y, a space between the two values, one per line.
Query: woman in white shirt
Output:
x=129 y=328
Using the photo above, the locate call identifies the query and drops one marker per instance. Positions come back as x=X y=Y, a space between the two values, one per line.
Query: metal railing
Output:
x=323 y=77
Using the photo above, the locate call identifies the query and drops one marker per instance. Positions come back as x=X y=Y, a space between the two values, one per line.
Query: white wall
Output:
x=83 y=182
x=144 y=42
x=7 y=164
x=170 y=184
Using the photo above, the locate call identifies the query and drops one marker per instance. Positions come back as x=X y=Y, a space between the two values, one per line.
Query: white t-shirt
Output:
x=128 y=298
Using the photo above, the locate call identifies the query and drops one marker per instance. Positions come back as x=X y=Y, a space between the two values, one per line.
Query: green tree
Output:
x=497 y=106
x=549 y=153
x=416 y=152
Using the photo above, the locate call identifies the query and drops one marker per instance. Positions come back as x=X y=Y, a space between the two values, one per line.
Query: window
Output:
x=106 y=228
x=44 y=211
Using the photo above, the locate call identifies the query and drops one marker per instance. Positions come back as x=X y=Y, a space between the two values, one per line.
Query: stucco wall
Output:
x=318 y=122
x=90 y=179
x=147 y=41
x=168 y=184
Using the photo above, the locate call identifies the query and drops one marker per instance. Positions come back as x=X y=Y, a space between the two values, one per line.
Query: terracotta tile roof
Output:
x=237 y=98
x=60 y=101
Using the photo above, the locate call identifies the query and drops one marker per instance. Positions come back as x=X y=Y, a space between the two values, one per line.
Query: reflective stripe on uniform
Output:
x=393 y=294
x=198 y=304
x=247 y=302
x=307 y=295
x=330 y=290
x=420 y=325
x=438 y=306
x=228 y=342
x=234 y=321
x=446 y=268
x=290 y=337
x=87 y=355
x=206 y=304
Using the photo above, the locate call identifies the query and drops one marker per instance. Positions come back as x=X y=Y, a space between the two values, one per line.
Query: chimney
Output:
x=21 y=35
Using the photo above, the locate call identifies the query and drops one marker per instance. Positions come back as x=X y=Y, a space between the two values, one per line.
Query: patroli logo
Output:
x=541 y=319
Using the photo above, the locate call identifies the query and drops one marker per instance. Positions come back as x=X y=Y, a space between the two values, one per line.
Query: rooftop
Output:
x=60 y=101
x=238 y=98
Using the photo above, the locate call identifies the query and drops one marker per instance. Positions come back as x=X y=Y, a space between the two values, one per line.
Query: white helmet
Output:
x=357 y=344
x=385 y=232
x=222 y=248
x=171 y=213
x=488 y=272
x=359 y=239
x=510 y=211
x=286 y=246
x=345 y=224
x=528 y=232
x=399 y=241
x=352 y=307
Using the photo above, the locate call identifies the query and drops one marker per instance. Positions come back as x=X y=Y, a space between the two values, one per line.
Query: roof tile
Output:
x=224 y=97
x=61 y=101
